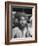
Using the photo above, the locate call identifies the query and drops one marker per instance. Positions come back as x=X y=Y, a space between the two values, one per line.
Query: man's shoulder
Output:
x=16 y=28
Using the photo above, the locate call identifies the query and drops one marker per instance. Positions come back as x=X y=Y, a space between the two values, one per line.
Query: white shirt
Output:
x=16 y=31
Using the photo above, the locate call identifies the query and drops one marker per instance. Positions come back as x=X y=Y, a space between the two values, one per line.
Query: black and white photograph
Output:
x=21 y=22
x=21 y=26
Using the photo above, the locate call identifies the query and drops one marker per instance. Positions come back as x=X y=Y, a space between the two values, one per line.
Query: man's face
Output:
x=23 y=21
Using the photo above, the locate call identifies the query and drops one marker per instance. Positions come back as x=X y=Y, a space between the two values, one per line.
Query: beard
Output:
x=22 y=26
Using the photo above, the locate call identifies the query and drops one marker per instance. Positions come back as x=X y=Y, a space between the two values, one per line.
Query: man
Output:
x=21 y=31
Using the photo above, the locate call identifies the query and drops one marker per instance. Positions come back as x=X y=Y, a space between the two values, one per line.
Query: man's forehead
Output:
x=23 y=17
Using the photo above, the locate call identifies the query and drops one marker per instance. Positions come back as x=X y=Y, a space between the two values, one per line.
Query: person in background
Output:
x=29 y=31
